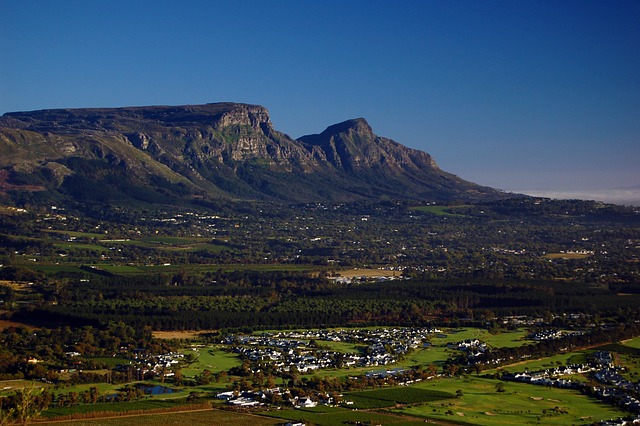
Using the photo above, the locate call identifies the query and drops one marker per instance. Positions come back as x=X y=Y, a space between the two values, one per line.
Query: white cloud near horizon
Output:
x=630 y=196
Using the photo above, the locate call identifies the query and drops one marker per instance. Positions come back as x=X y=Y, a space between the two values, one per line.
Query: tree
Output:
x=94 y=394
x=500 y=387
x=26 y=407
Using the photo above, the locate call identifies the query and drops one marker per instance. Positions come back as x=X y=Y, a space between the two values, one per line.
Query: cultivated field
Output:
x=191 y=418
x=362 y=272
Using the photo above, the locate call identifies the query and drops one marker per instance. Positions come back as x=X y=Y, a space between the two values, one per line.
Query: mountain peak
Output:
x=356 y=125
x=196 y=152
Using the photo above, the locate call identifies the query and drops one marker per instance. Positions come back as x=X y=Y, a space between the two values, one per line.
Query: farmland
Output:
x=402 y=313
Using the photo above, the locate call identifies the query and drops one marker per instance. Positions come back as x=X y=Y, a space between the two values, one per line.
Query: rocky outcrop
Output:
x=215 y=150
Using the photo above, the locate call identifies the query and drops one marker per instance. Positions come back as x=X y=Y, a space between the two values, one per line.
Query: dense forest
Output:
x=267 y=265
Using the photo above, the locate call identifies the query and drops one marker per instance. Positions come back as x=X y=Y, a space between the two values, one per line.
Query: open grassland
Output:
x=438 y=352
x=632 y=343
x=499 y=340
x=520 y=404
x=8 y=387
x=192 y=418
x=210 y=358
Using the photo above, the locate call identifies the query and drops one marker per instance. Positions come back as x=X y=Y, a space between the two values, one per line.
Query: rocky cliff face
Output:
x=209 y=151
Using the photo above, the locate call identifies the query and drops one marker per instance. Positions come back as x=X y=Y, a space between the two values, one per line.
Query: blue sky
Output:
x=514 y=94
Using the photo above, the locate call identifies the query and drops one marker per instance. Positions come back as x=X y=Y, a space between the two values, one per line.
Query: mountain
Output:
x=173 y=154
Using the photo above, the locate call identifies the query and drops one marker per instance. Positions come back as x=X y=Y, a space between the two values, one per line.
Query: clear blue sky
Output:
x=514 y=94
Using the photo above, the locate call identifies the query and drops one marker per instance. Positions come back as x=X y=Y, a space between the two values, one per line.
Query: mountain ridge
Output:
x=211 y=151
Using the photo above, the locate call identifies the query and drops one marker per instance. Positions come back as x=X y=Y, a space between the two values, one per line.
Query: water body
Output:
x=157 y=389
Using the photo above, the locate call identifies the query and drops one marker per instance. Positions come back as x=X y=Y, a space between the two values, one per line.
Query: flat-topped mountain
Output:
x=166 y=154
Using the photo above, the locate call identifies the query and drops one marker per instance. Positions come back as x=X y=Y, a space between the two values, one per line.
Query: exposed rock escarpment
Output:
x=210 y=151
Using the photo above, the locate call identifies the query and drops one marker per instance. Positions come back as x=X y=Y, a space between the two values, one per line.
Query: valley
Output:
x=207 y=302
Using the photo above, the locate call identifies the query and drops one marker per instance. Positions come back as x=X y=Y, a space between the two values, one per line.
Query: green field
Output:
x=520 y=404
x=477 y=401
x=145 y=404
x=379 y=398
x=438 y=352
x=76 y=234
x=212 y=359
x=633 y=343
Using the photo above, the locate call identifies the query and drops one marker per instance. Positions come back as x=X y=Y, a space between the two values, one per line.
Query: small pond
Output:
x=156 y=390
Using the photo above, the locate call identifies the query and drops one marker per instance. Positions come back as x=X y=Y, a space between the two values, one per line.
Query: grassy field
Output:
x=8 y=387
x=440 y=210
x=632 y=343
x=439 y=352
x=76 y=234
x=212 y=359
x=379 y=398
x=520 y=404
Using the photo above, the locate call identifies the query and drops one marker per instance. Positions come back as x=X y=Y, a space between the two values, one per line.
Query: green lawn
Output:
x=438 y=352
x=212 y=359
x=520 y=404
x=633 y=343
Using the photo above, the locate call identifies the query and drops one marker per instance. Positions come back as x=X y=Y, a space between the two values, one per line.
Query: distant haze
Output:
x=628 y=196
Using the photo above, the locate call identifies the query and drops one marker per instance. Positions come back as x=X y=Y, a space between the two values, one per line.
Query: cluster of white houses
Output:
x=294 y=350
x=262 y=397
